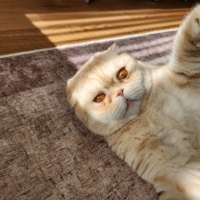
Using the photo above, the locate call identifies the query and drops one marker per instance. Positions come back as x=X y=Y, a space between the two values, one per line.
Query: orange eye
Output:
x=99 y=98
x=122 y=74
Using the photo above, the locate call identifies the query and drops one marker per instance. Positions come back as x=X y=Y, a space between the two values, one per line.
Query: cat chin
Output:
x=122 y=109
x=105 y=129
x=109 y=126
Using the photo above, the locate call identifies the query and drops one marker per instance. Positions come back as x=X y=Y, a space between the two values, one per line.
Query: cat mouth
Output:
x=129 y=103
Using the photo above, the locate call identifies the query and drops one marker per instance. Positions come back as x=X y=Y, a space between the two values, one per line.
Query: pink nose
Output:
x=120 y=92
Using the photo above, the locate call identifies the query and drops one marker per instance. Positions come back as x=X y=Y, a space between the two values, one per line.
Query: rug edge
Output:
x=60 y=47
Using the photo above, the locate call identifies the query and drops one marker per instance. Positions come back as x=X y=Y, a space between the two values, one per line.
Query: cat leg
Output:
x=186 y=180
x=184 y=185
x=179 y=179
x=185 y=56
x=168 y=190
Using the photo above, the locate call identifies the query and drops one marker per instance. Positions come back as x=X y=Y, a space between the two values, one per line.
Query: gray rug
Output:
x=45 y=152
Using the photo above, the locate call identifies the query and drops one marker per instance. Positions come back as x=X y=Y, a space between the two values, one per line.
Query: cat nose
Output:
x=120 y=92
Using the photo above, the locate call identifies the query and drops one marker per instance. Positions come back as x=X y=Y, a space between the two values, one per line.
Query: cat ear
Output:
x=80 y=112
x=114 y=48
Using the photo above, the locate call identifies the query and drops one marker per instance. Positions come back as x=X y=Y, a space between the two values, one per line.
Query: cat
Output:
x=149 y=116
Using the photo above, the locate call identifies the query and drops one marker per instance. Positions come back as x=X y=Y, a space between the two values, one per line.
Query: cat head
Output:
x=108 y=91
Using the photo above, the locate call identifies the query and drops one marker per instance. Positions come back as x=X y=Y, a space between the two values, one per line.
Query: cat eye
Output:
x=122 y=74
x=99 y=98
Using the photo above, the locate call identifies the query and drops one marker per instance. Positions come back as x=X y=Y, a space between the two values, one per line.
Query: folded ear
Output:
x=114 y=48
x=69 y=89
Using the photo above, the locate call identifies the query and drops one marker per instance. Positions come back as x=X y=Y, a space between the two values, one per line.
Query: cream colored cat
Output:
x=149 y=116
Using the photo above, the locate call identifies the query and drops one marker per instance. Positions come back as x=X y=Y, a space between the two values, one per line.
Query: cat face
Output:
x=108 y=90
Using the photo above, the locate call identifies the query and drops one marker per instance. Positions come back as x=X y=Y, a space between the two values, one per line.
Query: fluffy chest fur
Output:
x=174 y=97
x=163 y=131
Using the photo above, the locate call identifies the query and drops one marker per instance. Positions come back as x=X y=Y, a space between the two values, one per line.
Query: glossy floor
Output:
x=35 y=24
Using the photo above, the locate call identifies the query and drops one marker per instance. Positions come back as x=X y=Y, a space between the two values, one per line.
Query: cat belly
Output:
x=176 y=107
x=156 y=155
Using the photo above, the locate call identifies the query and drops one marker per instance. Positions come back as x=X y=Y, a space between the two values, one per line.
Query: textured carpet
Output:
x=45 y=152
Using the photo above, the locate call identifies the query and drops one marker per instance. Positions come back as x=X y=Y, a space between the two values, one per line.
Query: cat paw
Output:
x=192 y=26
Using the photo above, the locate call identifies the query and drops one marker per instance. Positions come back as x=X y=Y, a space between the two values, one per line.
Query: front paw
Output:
x=196 y=34
x=192 y=26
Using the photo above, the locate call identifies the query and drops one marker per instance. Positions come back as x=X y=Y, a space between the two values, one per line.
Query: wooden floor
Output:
x=35 y=24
